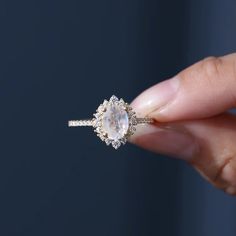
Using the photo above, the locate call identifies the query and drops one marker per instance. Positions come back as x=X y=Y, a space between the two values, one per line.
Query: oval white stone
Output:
x=115 y=122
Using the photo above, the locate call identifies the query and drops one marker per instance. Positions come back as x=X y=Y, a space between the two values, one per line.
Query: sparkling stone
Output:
x=115 y=122
x=116 y=144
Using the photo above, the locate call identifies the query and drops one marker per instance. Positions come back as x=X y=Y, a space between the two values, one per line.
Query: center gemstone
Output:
x=115 y=122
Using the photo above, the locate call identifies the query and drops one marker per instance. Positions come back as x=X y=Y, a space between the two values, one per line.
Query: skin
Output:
x=192 y=119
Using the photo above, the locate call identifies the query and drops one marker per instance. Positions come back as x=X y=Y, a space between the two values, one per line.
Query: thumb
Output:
x=205 y=89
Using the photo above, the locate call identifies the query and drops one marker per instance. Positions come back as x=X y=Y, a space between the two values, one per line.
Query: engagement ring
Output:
x=114 y=122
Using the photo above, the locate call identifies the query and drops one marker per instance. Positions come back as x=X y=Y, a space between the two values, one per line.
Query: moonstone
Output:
x=115 y=122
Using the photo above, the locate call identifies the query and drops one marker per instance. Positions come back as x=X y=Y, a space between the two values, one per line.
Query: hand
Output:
x=192 y=122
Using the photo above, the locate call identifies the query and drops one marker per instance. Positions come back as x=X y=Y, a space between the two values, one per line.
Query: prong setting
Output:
x=99 y=116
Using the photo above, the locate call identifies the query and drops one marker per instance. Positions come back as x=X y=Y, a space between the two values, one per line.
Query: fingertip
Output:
x=156 y=97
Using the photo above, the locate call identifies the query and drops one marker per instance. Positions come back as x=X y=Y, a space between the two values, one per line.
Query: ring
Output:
x=114 y=122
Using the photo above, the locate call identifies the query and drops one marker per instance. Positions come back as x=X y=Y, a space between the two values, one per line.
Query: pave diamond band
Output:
x=92 y=122
x=145 y=120
x=114 y=121
x=75 y=123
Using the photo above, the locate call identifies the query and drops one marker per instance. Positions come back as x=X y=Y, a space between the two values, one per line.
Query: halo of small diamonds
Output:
x=118 y=121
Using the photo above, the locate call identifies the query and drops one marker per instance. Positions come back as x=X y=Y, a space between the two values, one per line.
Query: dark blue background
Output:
x=59 y=60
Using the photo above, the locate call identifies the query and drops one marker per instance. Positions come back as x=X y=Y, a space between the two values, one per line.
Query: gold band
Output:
x=144 y=120
x=91 y=122
x=74 y=123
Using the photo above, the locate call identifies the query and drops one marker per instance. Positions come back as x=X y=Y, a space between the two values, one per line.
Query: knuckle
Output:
x=211 y=67
x=221 y=73
x=234 y=67
x=230 y=190
x=227 y=175
x=232 y=72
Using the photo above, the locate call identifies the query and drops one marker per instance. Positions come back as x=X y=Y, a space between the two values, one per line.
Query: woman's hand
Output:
x=192 y=122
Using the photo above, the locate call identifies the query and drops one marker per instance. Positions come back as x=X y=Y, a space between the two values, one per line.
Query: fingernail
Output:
x=156 y=97
x=167 y=140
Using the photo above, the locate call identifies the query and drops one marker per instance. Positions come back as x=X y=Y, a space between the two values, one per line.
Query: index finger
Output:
x=205 y=89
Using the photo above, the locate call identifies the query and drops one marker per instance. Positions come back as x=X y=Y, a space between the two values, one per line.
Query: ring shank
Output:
x=75 y=123
x=90 y=122
x=145 y=120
